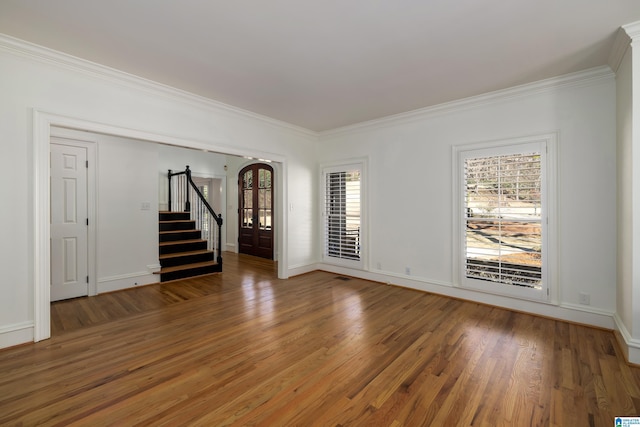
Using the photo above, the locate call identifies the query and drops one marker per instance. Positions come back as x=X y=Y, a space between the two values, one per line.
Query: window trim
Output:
x=348 y=165
x=548 y=147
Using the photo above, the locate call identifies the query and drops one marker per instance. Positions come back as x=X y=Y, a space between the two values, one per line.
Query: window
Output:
x=343 y=215
x=502 y=203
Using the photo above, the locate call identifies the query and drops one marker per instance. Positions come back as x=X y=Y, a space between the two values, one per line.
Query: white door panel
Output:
x=69 y=234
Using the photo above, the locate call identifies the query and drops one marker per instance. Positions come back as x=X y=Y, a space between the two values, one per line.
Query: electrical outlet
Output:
x=585 y=299
x=407 y=271
x=379 y=266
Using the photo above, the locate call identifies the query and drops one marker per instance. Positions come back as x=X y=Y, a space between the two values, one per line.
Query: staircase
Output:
x=183 y=252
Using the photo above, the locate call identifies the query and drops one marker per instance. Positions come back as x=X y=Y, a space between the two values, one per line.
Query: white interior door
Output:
x=69 y=222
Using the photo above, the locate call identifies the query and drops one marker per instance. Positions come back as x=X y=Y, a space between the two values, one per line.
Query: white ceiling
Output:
x=328 y=63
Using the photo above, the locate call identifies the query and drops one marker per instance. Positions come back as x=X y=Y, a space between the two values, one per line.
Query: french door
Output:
x=255 y=221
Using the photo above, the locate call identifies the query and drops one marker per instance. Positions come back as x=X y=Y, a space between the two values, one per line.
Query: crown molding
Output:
x=627 y=34
x=620 y=46
x=633 y=30
x=581 y=78
x=43 y=54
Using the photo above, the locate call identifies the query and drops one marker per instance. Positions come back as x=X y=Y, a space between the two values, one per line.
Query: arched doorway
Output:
x=255 y=213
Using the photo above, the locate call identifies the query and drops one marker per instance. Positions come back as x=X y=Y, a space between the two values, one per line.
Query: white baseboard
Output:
x=125 y=281
x=154 y=268
x=630 y=346
x=572 y=313
x=297 y=270
x=18 y=333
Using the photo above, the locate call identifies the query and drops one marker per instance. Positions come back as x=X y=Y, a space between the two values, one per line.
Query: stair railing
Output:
x=185 y=190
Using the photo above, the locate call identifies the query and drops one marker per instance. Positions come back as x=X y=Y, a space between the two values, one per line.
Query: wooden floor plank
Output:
x=245 y=348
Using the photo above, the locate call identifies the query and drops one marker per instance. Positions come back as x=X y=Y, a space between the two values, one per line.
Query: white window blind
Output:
x=343 y=214
x=503 y=235
x=503 y=219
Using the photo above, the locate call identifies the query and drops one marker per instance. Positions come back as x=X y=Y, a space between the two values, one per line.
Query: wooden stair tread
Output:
x=187 y=266
x=189 y=256
x=186 y=253
x=177 y=242
x=190 y=277
x=178 y=231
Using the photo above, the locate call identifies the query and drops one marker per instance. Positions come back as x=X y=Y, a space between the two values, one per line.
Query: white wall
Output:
x=200 y=162
x=625 y=194
x=127 y=234
x=410 y=187
x=635 y=185
x=234 y=165
x=627 y=65
x=32 y=78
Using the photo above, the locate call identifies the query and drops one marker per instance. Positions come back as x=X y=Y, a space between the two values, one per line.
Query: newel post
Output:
x=169 y=193
x=219 y=222
x=187 y=203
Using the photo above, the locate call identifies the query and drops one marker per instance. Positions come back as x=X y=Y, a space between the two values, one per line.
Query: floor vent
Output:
x=343 y=278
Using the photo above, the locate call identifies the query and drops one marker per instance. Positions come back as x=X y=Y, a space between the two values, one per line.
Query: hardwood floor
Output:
x=77 y=313
x=244 y=348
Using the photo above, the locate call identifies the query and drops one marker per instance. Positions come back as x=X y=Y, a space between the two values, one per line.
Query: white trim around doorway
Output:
x=42 y=131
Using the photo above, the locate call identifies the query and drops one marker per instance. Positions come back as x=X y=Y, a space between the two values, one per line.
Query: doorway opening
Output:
x=255 y=210
x=43 y=124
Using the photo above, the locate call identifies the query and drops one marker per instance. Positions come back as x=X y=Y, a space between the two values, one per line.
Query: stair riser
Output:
x=183 y=247
x=186 y=259
x=185 y=235
x=173 y=226
x=165 y=277
x=174 y=216
x=186 y=265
